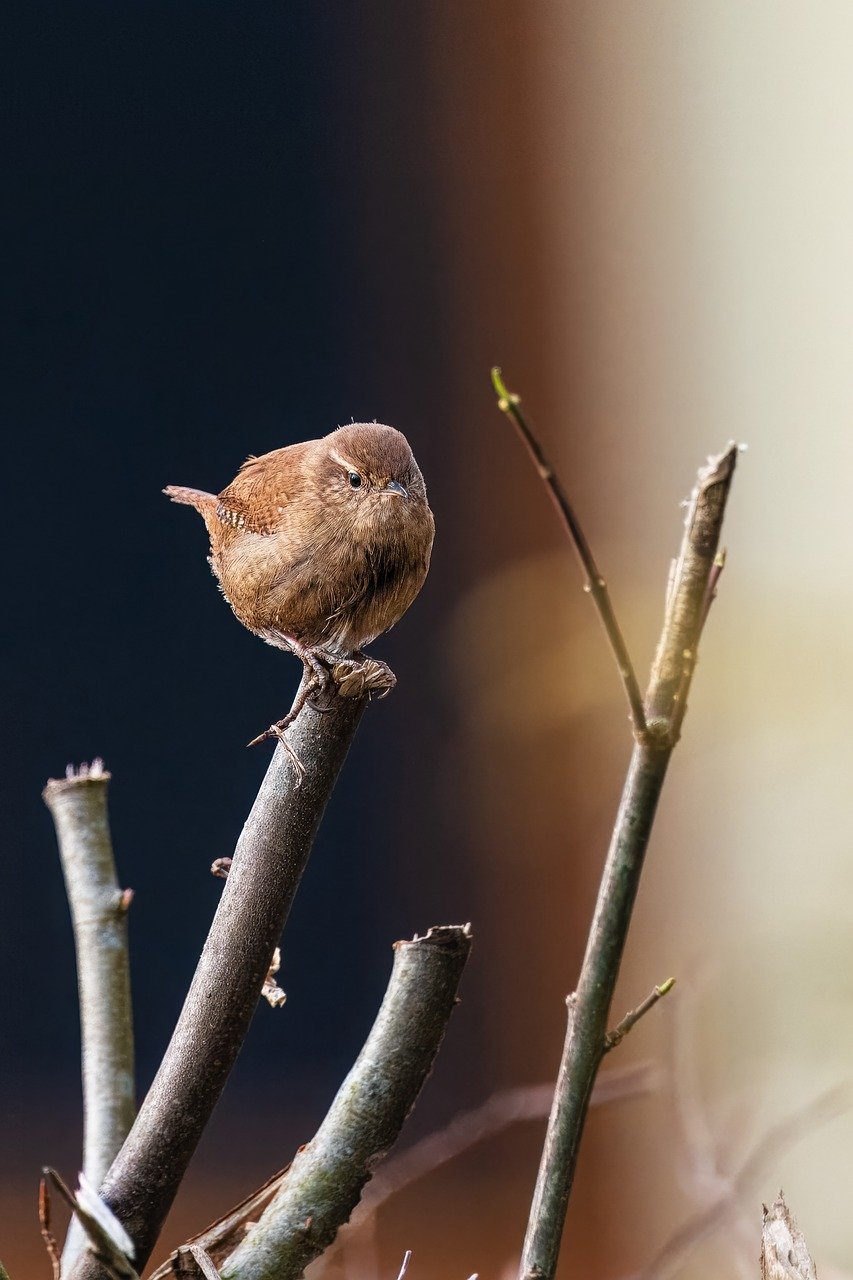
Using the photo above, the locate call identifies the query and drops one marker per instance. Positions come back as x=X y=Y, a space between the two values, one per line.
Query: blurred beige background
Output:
x=662 y=197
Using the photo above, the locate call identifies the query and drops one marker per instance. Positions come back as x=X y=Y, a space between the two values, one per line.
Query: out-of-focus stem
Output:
x=78 y=805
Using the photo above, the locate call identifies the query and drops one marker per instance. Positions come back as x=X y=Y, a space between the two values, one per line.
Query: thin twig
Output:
x=327 y=1176
x=46 y=1232
x=78 y=806
x=526 y=1102
x=701 y=1174
x=695 y=576
x=205 y=1266
x=827 y=1106
x=510 y=404
x=589 y=1007
x=619 y=1032
x=504 y=1108
x=703 y=1178
x=221 y=1237
x=518 y=1105
x=100 y=1229
x=269 y=860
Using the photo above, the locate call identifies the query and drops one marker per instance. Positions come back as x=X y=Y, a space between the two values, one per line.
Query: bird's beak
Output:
x=394 y=486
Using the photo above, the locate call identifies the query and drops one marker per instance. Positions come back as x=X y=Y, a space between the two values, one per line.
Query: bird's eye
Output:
x=355 y=480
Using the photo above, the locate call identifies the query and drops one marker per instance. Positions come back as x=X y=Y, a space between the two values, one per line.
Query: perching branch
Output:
x=686 y=609
x=78 y=805
x=269 y=860
x=325 y=1181
x=510 y=404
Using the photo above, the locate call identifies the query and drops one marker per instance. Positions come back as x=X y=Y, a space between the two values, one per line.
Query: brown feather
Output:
x=303 y=555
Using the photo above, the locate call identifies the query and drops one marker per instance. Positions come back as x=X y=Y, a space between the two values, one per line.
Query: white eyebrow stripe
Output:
x=344 y=462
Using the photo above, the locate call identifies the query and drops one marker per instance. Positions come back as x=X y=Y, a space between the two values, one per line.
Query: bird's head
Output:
x=368 y=471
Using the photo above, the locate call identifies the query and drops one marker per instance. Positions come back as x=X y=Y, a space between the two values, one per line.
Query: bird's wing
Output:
x=258 y=497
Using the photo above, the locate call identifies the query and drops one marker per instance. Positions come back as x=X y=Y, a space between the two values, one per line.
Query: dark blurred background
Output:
x=228 y=228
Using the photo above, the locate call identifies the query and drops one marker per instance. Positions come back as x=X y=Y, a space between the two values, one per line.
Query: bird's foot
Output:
x=360 y=675
x=310 y=684
x=279 y=730
x=328 y=675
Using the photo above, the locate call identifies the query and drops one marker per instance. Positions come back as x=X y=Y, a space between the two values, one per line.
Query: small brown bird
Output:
x=320 y=547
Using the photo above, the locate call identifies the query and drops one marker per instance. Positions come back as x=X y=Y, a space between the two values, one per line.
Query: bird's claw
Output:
x=357 y=677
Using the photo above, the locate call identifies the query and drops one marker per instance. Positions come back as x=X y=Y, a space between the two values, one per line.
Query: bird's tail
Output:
x=204 y=503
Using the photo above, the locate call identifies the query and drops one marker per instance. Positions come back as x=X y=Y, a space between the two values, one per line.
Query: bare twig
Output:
x=46 y=1232
x=510 y=404
x=589 y=1007
x=107 y=1239
x=502 y=1109
x=221 y=1237
x=701 y=1176
x=205 y=1266
x=619 y=1032
x=527 y=1102
x=270 y=857
x=325 y=1181
x=78 y=805
x=519 y=1105
x=715 y=1209
x=695 y=577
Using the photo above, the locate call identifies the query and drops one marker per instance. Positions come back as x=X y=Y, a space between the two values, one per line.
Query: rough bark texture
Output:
x=784 y=1254
x=327 y=1176
x=268 y=863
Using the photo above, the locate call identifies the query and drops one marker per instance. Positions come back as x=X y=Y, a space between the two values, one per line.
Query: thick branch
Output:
x=269 y=860
x=325 y=1181
x=589 y=1007
x=526 y=1102
x=78 y=805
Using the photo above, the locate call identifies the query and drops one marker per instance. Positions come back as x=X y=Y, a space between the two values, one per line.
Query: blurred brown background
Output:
x=231 y=229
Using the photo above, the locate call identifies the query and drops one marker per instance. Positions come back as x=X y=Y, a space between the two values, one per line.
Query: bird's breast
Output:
x=339 y=590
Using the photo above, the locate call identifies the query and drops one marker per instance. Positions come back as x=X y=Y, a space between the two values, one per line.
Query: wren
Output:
x=319 y=548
